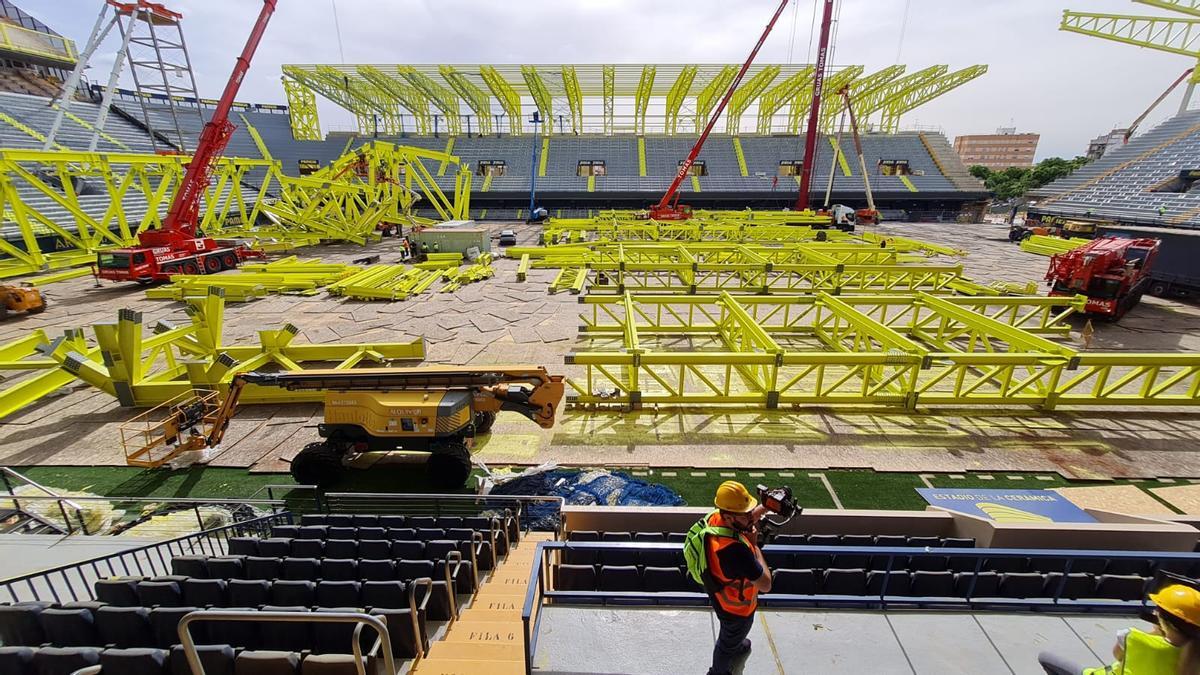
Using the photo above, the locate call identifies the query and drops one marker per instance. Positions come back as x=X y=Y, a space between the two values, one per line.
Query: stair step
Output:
x=497 y=615
x=478 y=651
x=466 y=630
x=517 y=582
x=507 y=603
x=431 y=666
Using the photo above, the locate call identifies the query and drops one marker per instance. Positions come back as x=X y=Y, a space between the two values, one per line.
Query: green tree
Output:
x=979 y=171
x=1016 y=181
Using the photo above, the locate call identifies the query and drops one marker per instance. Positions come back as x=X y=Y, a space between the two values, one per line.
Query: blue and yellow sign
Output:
x=1008 y=506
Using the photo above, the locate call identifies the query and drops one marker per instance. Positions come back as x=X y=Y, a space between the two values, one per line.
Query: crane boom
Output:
x=183 y=216
x=664 y=210
x=1141 y=118
x=814 y=113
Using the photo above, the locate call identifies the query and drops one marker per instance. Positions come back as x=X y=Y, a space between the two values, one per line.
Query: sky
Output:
x=1067 y=87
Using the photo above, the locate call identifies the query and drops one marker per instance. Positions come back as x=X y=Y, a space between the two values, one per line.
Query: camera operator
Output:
x=735 y=571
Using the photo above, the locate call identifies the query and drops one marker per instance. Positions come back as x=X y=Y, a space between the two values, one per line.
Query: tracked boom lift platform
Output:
x=436 y=410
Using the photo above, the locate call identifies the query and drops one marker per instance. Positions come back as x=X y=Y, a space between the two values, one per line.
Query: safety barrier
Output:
x=541 y=590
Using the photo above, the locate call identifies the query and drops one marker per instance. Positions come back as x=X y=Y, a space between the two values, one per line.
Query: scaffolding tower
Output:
x=153 y=44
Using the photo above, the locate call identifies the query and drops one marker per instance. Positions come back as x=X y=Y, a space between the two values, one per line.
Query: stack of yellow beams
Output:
x=1049 y=246
x=396 y=282
x=457 y=278
x=255 y=280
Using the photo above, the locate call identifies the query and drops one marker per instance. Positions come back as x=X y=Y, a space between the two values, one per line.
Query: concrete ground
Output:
x=502 y=320
x=645 y=641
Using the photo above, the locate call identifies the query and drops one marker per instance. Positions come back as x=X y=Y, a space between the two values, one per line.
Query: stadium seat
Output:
x=619 y=558
x=777 y=559
x=248 y=592
x=204 y=592
x=982 y=585
x=407 y=549
x=333 y=664
x=575 y=578
x=672 y=557
x=289 y=531
x=616 y=536
x=288 y=636
x=928 y=563
x=407 y=570
x=1006 y=565
x=447 y=522
x=1047 y=565
x=134 y=661
x=851 y=560
x=795 y=582
x=335 y=638
x=293 y=593
x=857 y=540
x=307 y=548
x=1021 y=585
x=845 y=582
x=824 y=540
x=372 y=533
x=120 y=591
x=649 y=537
x=341 y=548
x=619 y=578
x=259 y=567
x=338 y=594
x=815 y=561
x=339 y=569
x=303 y=532
x=314 y=519
x=576 y=556
x=159 y=594
x=242 y=634
x=1073 y=586
x=929 y=584
x=69 y=627
x=1128 y=566
x=897 y=582
x=266 y=662
x=338 y=520
x=676 y=537
x=190 y=566
x=891 y=540
x=16 y=660
x=384 y=594
x=226 y=567
x=923 y=542
x=427 y=533
x=64 y=660
x=666 y=579
x=376 y=570
x=405 y=533
x=164 y=622
x=377 y=549
x=124 y=627
x=275 y=547
x=334 y=532
x=216 y=659
x=421 y=522
x=300 y=569
x=958 y=542
x=1119 y=586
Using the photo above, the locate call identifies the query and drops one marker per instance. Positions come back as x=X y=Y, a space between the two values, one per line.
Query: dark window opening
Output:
x=592 y=167
x=1179 y=184
x=492 y=167
x=894 y=167
x=791 y=167
x=698 y=169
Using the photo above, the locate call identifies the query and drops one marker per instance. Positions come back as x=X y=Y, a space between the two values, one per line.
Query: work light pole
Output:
x=533 y=164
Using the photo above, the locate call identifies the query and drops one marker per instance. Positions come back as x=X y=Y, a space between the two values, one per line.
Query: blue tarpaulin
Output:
x=583 y=488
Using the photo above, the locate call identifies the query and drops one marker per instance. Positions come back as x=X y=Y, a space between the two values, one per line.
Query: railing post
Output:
x=66 y=520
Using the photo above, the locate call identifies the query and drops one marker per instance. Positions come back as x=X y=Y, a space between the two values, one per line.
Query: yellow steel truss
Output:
x=302 y=111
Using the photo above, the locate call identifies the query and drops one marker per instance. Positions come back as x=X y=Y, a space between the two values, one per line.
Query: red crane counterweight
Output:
x=1112 y=272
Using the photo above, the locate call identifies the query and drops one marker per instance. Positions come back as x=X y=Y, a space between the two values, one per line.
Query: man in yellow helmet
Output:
x=1171 y=648
x=725 y=557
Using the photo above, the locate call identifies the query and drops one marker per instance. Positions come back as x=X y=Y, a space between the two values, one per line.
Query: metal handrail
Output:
x=7 y=473
x=537 y=590
x=87 y=571
x=360 y=620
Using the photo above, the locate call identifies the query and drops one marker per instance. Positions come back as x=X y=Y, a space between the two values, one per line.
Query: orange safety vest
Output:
x=738 y=597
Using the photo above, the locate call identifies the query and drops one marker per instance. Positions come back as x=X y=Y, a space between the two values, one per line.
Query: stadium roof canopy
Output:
x=604 y=98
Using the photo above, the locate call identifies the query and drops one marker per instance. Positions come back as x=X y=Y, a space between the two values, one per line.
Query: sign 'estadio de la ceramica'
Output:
x=1008 y=506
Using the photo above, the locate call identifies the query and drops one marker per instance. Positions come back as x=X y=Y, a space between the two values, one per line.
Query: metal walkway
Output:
x=644 y=641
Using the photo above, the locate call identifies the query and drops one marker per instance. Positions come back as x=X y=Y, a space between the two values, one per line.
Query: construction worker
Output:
x=1171 y=648
x=736 y=571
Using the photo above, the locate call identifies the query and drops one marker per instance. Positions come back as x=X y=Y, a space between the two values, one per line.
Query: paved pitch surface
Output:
x=505 y=321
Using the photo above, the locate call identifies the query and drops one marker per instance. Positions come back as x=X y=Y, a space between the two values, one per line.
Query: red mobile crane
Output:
x=177 y=247
x=1112 y=272
x=668 y=207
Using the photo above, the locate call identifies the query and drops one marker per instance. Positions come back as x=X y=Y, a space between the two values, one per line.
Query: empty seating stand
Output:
x=929 y=570
x=407 y=571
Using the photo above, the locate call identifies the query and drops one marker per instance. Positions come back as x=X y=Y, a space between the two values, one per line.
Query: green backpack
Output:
x=693 y=546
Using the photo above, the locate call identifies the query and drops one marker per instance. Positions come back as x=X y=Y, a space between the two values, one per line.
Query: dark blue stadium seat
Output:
x=1006 y=565
x=284 y=636
x=275 y=547
x=845 y=582
x=16 y=660
x=270 y=662
x=300 y=569
x=413 y=550
x=891 y=540
x=392 y=521
x=374 y=548
x=407 y=570
x=243 y=634
x=898 y=582
x=619 y=578
x=402 y=533
x=1073 y=586
x=304 y=532
x=858 y=540
x=165 y=620
x=371 y=532
x=649 y=537
x=924 y=583
x=290 y=531
x=293 y=593
x=583 y=535
x=365 y=520
x=428 y=533
x=124 y=627
x=243 y=545
x=334 y=532
x=339 y=520
x=376 y=570
x=307 y=548
x=248 y=592
x=204 y=592
x=421 y=521
x=667 y=579
x=575 y=578
x=958 y=542
x=672 y=557
x=258 y=567
x=1022 y=585
x=159 y=594
x=226 y=567
x=341 y=548
x=1120 y=586
x=69 y=627
x=190 y=566
x=314 y=519
x=982 y=585
x=216 y=659
x=796 y=582
x=338 y=594
x=120 y=591
x=135 y=661
x=339 y=569
x=384 y=594
x=824 y=540
x=64 y=660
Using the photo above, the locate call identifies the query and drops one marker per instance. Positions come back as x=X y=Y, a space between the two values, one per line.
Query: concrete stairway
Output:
x=488 y=637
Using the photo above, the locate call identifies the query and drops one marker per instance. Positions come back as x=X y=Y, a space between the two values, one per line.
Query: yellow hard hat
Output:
x=733 y=496
x=1182 y=602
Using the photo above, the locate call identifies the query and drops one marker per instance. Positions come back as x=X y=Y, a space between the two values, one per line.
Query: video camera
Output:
x=780 y=502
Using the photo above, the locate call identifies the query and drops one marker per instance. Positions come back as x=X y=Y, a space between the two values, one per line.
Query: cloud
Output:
x=1067 y=87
